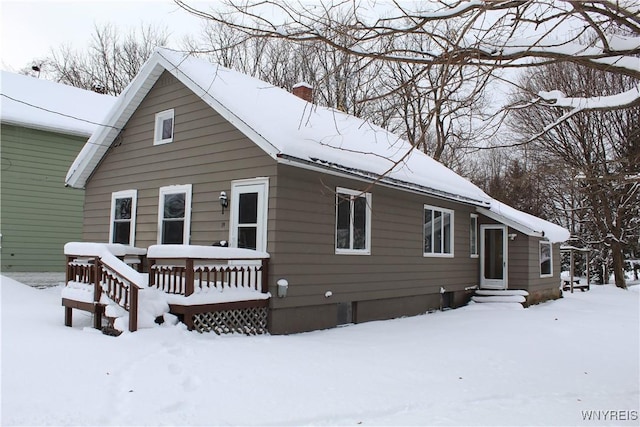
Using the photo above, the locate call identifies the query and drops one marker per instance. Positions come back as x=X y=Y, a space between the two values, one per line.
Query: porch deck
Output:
x=209 y=289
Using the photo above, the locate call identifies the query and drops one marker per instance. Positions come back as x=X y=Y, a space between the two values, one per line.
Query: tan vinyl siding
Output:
x=206 y=152
x=38 y=213
x=305 y=249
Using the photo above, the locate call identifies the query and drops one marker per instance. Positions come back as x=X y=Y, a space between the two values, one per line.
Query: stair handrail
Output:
x=105 y=256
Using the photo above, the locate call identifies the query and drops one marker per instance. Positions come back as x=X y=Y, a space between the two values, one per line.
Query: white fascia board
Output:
x=509 y=222
x=98 y=144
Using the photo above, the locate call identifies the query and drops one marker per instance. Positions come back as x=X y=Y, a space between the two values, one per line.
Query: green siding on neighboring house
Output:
x=38 y=214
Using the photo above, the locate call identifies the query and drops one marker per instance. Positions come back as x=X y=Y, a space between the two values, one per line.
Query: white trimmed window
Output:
x=438 y=231
x=123 y=217
x=174 y=215
x=473 y=235
x=353 y=222
x=163 y=132
x=546 y=259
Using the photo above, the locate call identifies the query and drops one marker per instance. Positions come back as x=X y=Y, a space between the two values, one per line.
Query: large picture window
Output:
x=174 y=215
x=123 y=217
x=438 y=231
x=546 y=259
x=353 y=222
x=163 y=132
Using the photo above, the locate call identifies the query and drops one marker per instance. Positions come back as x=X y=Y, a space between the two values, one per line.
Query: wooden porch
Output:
x=222 y=290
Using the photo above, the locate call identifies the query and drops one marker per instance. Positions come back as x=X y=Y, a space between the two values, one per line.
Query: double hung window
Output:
x=123 y=217
x=174 y=215
x=353 y=222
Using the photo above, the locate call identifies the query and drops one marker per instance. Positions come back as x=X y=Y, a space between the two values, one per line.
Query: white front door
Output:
x=249 y=205
x=493 y=256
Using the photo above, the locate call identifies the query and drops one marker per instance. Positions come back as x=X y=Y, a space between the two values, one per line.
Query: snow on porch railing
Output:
x=181 y=269
x=98 y=266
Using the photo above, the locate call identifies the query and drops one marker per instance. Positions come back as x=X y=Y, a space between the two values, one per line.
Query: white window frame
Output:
x=176 y=189
x=473 y=231
x=133 y=194
x=157 y=133
x=261 y=186
x=540 y=244
x=340 y=191
x=451 y=234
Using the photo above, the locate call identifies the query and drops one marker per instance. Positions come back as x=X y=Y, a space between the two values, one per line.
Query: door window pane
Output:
x=494 y=254
x=247 y=237
x=172 y=232
x=248 y=208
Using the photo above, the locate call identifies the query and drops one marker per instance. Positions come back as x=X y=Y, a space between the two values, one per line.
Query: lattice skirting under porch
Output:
x=249 y=321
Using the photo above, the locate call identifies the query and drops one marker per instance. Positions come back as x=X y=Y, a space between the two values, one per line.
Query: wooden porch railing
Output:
x=105 y=278
x=183 y=276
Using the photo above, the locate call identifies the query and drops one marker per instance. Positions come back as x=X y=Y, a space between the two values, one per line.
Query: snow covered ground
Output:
x=486 y=364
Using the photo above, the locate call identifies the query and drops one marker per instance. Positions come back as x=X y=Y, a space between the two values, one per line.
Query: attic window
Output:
x=163 y=133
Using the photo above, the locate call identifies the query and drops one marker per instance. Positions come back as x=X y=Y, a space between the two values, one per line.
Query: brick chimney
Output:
x=303 y=90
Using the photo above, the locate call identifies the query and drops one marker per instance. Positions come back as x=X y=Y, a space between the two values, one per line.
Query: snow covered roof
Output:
x=524 y=222
x=46 y=105
x=288 y=129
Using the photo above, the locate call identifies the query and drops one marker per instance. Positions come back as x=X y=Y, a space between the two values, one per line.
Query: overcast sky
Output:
x=30 y=29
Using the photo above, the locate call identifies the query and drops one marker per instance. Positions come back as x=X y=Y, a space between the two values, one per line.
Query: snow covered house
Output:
x=351 y=225
x=44 y=126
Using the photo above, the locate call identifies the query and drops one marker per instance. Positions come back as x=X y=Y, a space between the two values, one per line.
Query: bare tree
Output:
x=110 y=62
x=599 y=149
x=502 y=34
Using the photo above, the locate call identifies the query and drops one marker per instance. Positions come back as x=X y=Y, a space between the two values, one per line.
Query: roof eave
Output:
x=510 y=222
x=370 y=177
x=45 y=128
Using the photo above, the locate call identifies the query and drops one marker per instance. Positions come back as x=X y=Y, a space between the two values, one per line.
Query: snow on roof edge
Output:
x=328 y=167
x=525 y=223
x=56 y=129
x=51 y=106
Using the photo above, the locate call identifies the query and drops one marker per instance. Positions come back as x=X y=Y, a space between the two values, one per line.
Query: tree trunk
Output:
x=618 y=264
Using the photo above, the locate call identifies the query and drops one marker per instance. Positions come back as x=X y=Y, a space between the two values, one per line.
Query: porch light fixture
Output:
x=224 y=201
x=512 y=236
x=283 y=285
